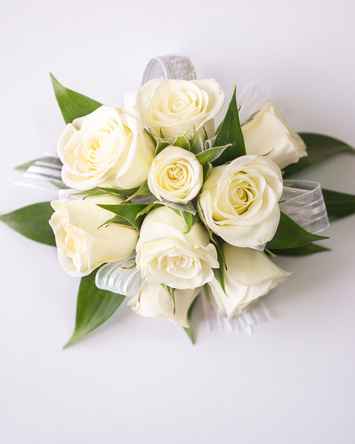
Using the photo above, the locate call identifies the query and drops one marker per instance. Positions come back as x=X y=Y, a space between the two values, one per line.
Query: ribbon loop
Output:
x=121 y=277
x=169 y=67
x=302 y=201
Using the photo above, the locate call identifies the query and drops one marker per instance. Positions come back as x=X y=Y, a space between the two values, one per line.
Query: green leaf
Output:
x=171 y=293
x=161 y=144
x=148 y=208
x=205 y=135
x=203 y=219
x=143 y=190
x=88 y=193
x=127 y=211
x=301 y=251
x=338 y=204
x=207 y=290
x=71 y=103
x=94 y=307
x=117 y=192
x=194 y=144
x=219 y=272
x=99 y=191
x=290 y=235
x=212 y=154
x=230 y=132
x=189 y=329
x=189 y=218
x=32 y=222
x=319 y=147
x=182 y=142
x=49 y=159
x=149 y=133
x=118 y=220
x=207 y=170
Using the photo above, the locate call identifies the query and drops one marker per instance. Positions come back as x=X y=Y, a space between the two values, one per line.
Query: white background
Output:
x=140 y=380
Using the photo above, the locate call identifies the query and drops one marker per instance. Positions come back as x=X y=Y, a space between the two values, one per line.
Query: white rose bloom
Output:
x=268 y=134
x=82 y=243
x=107 y=147
x=239 y=201
x=154 y=302
x=176 y=107
x=175 y=175
x=166 y=254
x=250 y=274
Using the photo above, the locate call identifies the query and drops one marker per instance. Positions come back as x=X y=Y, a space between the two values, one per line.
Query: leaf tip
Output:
x=72 y=340
x=68 y=344
x=190 y=334
x=55 y=82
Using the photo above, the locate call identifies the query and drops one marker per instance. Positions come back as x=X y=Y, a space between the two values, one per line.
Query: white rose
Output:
x=82 y=243
x=239 y=201
x=175 y=175
x=154 y=302
x=166 y=254
x=267 y=134
x=250 y=274
x=177 y=107
x=107 y=147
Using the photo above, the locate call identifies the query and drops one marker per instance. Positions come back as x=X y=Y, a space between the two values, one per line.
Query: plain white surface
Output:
x=140 y=380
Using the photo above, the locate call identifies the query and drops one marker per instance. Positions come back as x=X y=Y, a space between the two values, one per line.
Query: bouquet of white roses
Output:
x=157 y=206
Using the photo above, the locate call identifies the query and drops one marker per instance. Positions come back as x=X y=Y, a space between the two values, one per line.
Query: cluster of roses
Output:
x=200 y=217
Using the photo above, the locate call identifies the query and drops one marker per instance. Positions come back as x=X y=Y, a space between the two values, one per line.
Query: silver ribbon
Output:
x=43 y=173
x=303 y=201
x=169 y=67
x=121 y=277
x=244 y=323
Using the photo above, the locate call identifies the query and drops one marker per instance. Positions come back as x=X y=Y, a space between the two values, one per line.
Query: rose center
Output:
x=174 y=177
x=176 y=173
x=91 y=151
x=171 y=264
x=241 y=194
